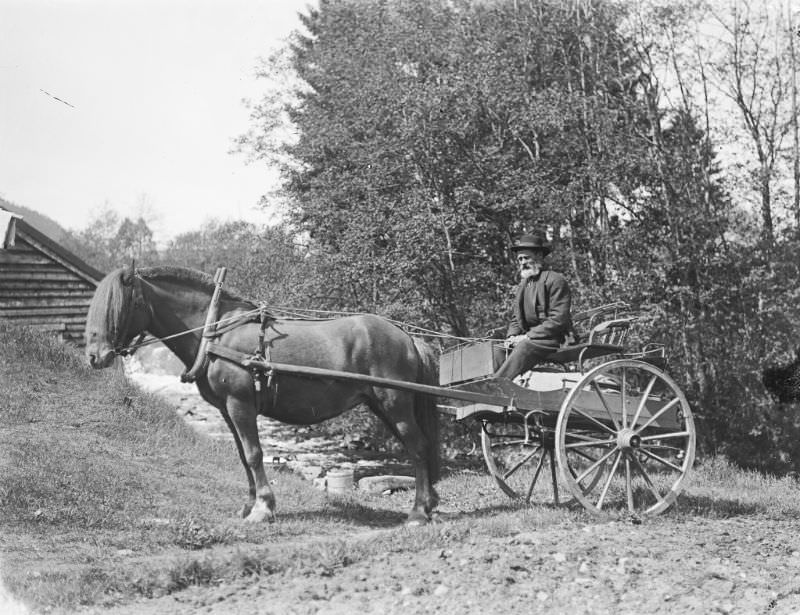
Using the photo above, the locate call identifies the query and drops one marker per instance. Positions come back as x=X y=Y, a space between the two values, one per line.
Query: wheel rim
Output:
x=635 y=426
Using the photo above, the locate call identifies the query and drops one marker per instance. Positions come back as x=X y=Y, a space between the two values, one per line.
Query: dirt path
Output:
x=738 y=565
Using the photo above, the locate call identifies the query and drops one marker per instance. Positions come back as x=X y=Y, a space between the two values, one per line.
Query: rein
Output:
x=214 y=327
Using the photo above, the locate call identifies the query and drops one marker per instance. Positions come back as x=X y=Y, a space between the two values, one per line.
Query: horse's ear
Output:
x=127 y=276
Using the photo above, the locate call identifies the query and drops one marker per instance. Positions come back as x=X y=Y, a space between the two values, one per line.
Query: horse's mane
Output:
x=193 y=277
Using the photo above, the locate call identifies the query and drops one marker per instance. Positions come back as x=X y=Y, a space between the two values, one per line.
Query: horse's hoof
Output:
x=255 y=517
x=259 y=513
x=245 y=511
x=416 y=519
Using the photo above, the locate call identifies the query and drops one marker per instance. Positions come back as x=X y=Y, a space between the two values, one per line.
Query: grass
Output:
x=107 y=496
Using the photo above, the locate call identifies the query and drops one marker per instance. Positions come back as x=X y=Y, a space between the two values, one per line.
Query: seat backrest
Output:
x=613 y=332
x=606 y=324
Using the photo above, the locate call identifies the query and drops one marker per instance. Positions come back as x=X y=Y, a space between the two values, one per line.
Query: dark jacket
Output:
x=551 y=299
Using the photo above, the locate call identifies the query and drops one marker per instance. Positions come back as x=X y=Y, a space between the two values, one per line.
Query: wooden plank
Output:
x=46 y=267
x=56 y=326
x=29 y=293
x=47 y=311
x=21 y=246
x=23 y=258
x=35 y=303
x=30 y=276
x=38 y=319
x=20 y=285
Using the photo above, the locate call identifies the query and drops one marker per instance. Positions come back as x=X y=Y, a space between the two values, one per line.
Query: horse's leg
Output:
x=219 y=403
x=397 y=411
x=243 y=458
x=244 y=418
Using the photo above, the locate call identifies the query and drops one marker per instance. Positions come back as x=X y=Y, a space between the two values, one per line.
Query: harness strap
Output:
x=234 y=356
x=258 y=367
x=201 y=360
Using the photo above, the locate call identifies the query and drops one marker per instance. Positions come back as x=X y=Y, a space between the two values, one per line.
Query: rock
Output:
x=526 y=538
x=380 y=484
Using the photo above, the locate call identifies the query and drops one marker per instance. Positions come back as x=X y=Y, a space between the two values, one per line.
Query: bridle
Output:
x=134 y=300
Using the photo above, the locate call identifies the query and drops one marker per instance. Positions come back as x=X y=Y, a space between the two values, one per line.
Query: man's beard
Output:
x=530 y=271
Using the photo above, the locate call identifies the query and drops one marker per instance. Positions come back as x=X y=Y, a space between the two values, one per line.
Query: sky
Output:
x=135 y=105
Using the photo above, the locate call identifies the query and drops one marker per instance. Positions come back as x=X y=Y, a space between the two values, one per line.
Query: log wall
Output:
x=44 y=286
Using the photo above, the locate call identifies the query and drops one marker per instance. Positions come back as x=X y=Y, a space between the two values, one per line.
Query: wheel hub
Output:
x=627 y=439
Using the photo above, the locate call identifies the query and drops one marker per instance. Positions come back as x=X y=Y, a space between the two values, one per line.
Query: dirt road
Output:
x=738 y=565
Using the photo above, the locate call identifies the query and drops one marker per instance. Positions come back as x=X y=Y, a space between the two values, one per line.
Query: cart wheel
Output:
x=518 y=459
x=633 y=425
x=522 y=461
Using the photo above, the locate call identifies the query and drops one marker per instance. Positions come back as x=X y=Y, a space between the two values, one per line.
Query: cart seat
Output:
x=581 y=352
x=607 y=328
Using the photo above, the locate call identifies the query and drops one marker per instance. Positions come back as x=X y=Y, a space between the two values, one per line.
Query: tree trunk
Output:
x=796 y=140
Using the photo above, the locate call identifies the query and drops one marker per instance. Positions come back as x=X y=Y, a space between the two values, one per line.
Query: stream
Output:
x=156 y=370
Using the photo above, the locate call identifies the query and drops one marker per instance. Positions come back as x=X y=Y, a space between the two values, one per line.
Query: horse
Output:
x=171 y=303
x=783 y=381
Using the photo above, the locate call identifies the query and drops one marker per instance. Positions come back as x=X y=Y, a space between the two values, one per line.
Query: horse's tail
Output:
x=425 y=405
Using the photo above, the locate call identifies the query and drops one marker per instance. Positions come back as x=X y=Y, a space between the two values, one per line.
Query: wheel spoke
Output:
x=601 y=425
x=585 y=455
x=594 y=466
x=676 y=434
x=643 y=400
x=629 y=484
x=554 y=478
x=519 y=464
x=647 y=480
x=590 y=443
x=539 y=465
x=604 y=492
x=623 y=398
x=672 y=403
x=605 y=405
x=661 y=460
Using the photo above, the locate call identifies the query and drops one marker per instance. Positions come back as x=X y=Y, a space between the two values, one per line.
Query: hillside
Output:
x=110 y=504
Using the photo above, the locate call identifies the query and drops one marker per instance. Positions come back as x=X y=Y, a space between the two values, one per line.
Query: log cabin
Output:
x=42 y=284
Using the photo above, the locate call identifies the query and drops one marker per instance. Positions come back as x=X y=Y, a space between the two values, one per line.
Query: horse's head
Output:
x=783 y=381
x=116 y=315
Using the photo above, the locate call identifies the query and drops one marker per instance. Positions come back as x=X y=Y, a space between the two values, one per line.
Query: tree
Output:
x=134 y=241
x=262 y=263
x=750 y=61
x=430 y=133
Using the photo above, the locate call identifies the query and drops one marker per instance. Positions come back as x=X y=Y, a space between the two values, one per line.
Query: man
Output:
x=541 y=308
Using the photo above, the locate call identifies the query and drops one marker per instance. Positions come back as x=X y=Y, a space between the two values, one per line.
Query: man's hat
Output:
x=532 y=241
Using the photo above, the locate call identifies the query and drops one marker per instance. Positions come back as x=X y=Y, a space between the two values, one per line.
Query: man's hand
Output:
x=512 y=341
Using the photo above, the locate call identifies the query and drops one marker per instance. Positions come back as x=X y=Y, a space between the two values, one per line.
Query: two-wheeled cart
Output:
x=606 y=424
